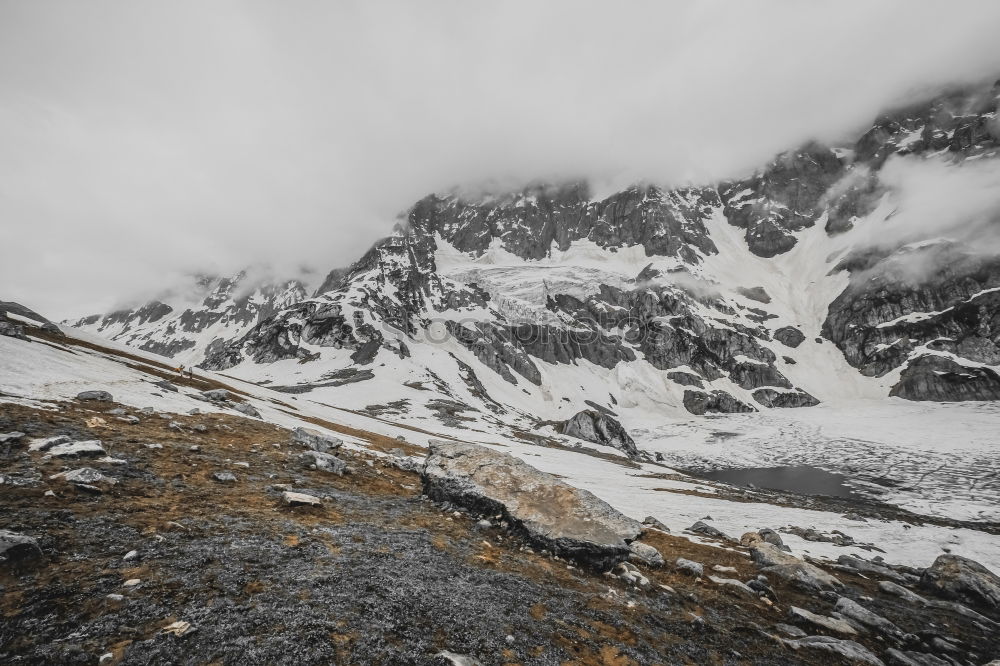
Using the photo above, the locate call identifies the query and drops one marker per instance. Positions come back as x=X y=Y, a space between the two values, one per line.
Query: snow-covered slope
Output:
x=814 y=281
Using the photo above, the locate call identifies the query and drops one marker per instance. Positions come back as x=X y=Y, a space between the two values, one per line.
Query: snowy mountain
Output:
x=187 y=324
x=806 y=282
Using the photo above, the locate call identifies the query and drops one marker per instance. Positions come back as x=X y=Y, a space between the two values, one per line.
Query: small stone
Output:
x=690 y=567
x=131 y=582
x=484 y=524
x=115 y=598
x=224 y=477
x=721 y=569
x=300 y=499
x=10 y=436
x=131 y=555
x=194 y=449
x=179 y=628
x=194 y=412
x=106 y=658
x=835 y=625
x=153 y=445
x=201 y=427
x=129 y=419
x=117 y=411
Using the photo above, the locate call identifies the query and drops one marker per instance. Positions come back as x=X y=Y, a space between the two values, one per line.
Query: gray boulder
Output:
x=316 y=440
x=246 y=408
x=854 y=611
x=18 y=549
x=777 y=562
x=96 y=396
x=593 y=426
x=900 y=658
x=855 y=652
x=643 y=553
x=85 y=475
x=832 y=624
x=12 y=330
x=962 y=579
x=326 y=462
x=217 y=395
x=690 y=566
x=10 y=436
x=568 y=521
x=705 y=529
x=224 y=477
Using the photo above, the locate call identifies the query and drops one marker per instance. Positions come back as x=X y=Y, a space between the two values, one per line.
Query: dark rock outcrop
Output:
x=593 y=426
x=772 y=398
x=930 y=377
x=789 y=336
x=720 y=402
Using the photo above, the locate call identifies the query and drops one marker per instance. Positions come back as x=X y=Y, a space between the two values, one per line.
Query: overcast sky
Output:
x=143 y=140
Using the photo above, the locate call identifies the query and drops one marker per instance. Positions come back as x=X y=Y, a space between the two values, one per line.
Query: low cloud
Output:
x=144 y=142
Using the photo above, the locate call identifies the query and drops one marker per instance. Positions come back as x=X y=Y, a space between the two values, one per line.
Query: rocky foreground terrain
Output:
x=139 y=535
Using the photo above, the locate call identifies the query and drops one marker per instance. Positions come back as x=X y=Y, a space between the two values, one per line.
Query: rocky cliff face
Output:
x=718 y=298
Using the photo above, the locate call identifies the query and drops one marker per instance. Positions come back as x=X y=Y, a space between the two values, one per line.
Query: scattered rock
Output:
x=733 y=584
x=594 y=426
x=457 y=659
x=326 y=462
x=568 y=521
x=484 y=524
x=96 y=422
x=47 y=443
x=246 y=408
x=775 y=561
x=705 y=529
x=855 y=652
x=772 y=537
x=96 y=396
x=899 y=658
x=833 y=624
x=962 y=579
x=10 y=436
x=899 y=591
x=131 y=555
x=300 y=499
x=643 y=553
x=790 y=630
x=690 y=566
x=867 y=567
x=316 y=440
x=194 y=412
x=18 y=549
x=217 y=395
x=630 y=574
x=84 y=475
x=718 y=568
x=650 y=521
x=129 y=419
x=132 y=582
x=179 y=628
x=852 y=610
x=224 y=477
x=89 y=448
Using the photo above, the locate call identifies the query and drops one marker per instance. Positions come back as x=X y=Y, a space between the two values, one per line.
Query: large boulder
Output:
x=567 y=521
x=316 y=440
x=593 y=426
x=789 y=336
x=962 y=579
x=941 y=379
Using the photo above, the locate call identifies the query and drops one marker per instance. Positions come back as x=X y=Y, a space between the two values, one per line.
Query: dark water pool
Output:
x=802 y=479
